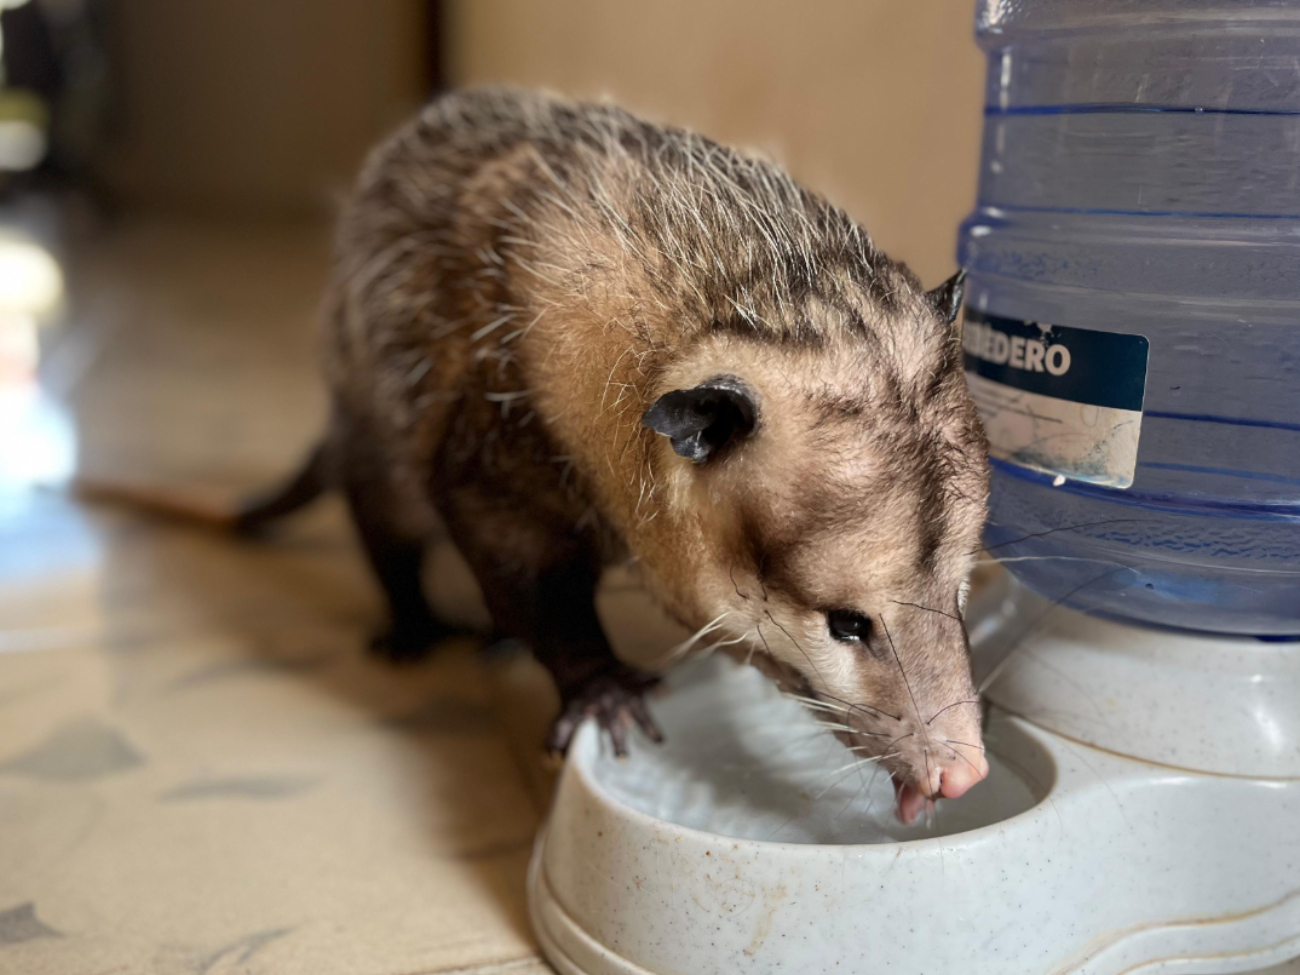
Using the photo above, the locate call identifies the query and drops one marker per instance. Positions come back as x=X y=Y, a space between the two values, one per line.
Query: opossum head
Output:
x=833 y=492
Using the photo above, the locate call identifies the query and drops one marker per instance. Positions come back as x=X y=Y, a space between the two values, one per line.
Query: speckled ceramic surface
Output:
x=1209 y=703
x=725 y=852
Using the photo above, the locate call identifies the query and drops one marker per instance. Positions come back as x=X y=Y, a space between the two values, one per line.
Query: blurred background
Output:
x=259 y=110
x=176 y=706
x=134 y=126
x=265 y=109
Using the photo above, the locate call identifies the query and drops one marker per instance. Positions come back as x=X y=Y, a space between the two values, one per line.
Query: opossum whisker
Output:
x=758 y=627
x=769 y=615
x=731 y=571
x=1024 y=771
x=928 y=609
x=866 y=734
x=834 y=727
x=1053 y=531
x=996 y=672
x=785 y=741
x=910 y=734
x=901 y=669
x=818 y=709
x=891 y=744
x=851 y=768
x=867 y=785
x=862 y=786
x=1039 y=558
x=816 y=702
x=832 y=715
x=690 y=641
x=789 y=820
x=954 y=704
x=858 y=706
x=706 y=651
x=961 y=756
x=871 y=709
x=858 y=763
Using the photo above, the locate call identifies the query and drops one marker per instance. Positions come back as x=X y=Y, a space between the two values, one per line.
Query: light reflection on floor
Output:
x=37 y=444
x=120 y=344
x=37 y=438
x=49 y=553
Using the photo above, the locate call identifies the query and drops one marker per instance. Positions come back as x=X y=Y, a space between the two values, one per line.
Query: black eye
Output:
x=848 y=626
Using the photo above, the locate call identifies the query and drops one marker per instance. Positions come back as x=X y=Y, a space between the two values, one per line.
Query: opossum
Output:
x=576 y=338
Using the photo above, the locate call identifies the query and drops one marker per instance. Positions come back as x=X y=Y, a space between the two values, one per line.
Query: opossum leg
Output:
x=540 y=587
x=592 y=682
x=398 y=561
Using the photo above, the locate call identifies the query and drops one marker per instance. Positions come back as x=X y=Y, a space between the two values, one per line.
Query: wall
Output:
x=876 y=103
x=257 y=106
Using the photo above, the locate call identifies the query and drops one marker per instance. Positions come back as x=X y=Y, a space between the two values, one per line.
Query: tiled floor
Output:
x=200 y=772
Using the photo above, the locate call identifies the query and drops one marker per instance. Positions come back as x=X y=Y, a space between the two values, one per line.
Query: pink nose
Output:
x=956 y=778
x=948 y=780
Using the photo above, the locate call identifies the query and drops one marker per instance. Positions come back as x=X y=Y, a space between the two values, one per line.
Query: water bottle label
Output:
x=1065 y=401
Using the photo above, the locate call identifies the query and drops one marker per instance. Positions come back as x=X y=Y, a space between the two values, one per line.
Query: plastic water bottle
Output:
x=1133 y=311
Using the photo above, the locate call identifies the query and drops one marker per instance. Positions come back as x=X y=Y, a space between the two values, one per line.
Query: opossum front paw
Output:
x=411 y=642
x=615 y=700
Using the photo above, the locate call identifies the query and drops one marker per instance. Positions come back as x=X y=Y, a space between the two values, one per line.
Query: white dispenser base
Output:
x=1213 y=704
x=730 y=849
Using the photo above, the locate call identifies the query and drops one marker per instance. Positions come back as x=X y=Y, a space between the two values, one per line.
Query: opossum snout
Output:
x=940 y=768
x=953 y=778
x=948 y=781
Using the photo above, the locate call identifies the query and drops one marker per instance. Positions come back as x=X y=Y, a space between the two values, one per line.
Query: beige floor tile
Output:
x=200 y=771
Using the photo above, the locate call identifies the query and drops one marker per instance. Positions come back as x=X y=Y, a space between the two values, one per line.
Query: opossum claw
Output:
x=615 y=701
x=643 y=718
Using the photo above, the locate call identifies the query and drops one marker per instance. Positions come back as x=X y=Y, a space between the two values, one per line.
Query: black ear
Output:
x=946 y=299
x=706 y=419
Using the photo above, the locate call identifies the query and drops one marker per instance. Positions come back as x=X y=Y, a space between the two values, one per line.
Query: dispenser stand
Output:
x=1197 y=741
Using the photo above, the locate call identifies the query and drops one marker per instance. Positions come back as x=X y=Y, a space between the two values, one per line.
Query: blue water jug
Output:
x=1132 y=330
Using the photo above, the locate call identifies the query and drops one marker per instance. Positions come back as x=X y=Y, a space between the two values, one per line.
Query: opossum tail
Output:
x=301 y=489
x=307 y=484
